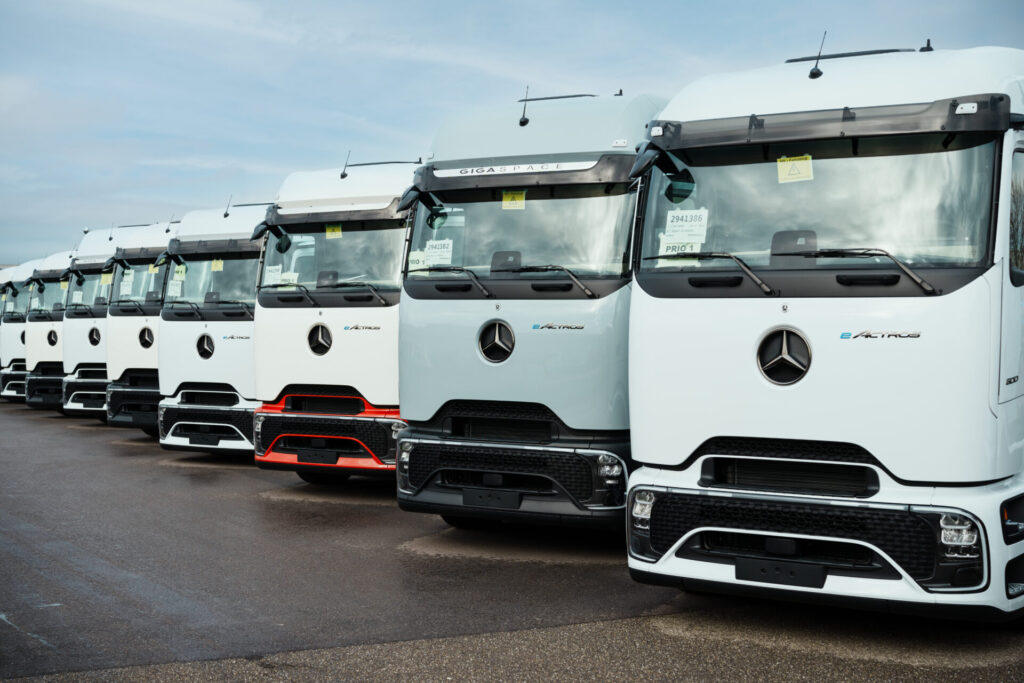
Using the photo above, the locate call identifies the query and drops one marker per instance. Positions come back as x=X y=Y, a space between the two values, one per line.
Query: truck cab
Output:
x=133 y=326
x=15 y=297
x=206 y=367
x=515 y=305
x=84 y=348
x=44 y=355
x=826 y=334
x=327 y=323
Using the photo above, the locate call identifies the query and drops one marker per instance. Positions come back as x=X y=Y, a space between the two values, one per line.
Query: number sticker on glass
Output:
x=513 y=199
x=438 y=252
x=174 y=288
x=687 y=225
x=154 y=269
x=63 y=284
x=106 y=278
x=76 y=297
x=795 y=169
x=179 y=272
x=333 y=232
x=216 y=265
x=417 y=259
x=289 y=278
x=272 y=275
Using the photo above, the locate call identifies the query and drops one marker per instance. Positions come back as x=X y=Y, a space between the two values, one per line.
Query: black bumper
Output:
x=556 y=516
x=130 y=407
x=43 y=391
x=89 y=395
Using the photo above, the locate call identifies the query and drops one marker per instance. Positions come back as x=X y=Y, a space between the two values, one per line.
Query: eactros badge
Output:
x=497 y=341
x=784 y=356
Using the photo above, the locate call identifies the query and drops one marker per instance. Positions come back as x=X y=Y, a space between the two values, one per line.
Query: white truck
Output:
x=206 y=365
x=44 y=355
x=133 y=326
x=12 y=330
x=514 y=316
x=84 y=349
x=827 y=334
x=327 y=323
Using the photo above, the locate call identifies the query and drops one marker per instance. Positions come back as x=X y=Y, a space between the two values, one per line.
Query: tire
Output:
x=153 y=432
x=322 y=478
x=470 y=523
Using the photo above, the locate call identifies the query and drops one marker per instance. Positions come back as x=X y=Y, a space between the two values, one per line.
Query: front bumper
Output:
x=306 y=441
x=877 y=553
x=12 y=381
x=43 y=391
x=84 y=396
x=512 y=481
x=199 y=427
x=132 y=406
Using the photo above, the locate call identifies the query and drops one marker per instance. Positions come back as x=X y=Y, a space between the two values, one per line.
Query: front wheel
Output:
x=322 y=478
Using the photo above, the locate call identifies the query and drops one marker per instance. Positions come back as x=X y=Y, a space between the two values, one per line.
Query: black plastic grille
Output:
x=18 y=366
x=571 y=471
x=833 y=451
x=906 y=537
x=508 y=410
x=132 y=402
x=376 y=435
x=80 y=387
x=792 y=477
x=240 y=419
x=140 y=379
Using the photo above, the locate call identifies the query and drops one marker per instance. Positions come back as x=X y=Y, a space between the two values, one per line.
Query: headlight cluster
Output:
x=257 y=425
x=639 y=512
x=959 y=552
x=404 y=453
x=160 y=421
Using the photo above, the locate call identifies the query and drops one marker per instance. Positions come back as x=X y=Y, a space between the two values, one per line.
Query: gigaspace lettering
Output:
x=510 y=169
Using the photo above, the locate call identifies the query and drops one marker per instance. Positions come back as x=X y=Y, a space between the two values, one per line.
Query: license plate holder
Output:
x=203 y=439
x=780 y=572
x=491 y=498
x=316 y=457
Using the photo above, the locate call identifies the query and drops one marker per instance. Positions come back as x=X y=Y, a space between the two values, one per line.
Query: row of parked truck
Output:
x=774 y=326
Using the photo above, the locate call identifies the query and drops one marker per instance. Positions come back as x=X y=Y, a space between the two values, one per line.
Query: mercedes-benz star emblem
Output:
x=23 y=337
x=205 y=346
x=51 y=337
x=146 y=337
x=783 y=356
x=94 y=336
x=497 y=341
x=319 y=339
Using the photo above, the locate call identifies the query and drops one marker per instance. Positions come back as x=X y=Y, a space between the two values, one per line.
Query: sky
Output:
x=135 y=111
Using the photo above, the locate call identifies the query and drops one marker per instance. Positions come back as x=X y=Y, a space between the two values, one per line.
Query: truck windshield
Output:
x=582 y=227
x=209 y=279
x=139 y=283
x=925 y=199
x=50 y=299
x=321 y=255
x=93 y=286
x=16 y=303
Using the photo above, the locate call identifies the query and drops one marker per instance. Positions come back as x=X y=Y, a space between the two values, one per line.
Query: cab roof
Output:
x=602 y=125
x=147 y=236
x=212 y=224
x=58 y=261
x=97 y=245
x=856 y=81
x=19 y=273
x=364 y=188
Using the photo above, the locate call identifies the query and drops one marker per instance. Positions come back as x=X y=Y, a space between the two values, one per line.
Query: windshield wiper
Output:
x=704 y=255
x=133 y=302
x=243 y=304
x=190 y=304
x=541 y=269
x=367 y=285
x=76 y=304
x=456 y=269
x=865 y=253
x=302 y=290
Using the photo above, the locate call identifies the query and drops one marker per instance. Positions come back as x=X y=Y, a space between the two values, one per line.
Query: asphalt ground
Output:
x=122 y=561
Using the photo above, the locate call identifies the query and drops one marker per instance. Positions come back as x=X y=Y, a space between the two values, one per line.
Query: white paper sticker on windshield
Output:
x=174 y=288
x=126 y=288
x=153 y=268
x=687 y=225
x=417 y=259
x=216 y=265
x=106 y=278
x=272 y=275
x=179 y=272
x=128 y=276
x=671 y=245
x=438 y=252
x=289 y=278
x=76 y=297
x=795 y=169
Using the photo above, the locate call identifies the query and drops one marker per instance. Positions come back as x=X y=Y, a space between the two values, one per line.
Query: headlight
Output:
x=643 y=504
x=960 y=536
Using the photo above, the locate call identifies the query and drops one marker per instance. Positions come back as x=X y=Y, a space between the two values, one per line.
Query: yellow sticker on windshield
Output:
x=106 y=278
x=795 y=169
x=513 y=199
x=63 y=284
x=154 y=268
x=216 y=265
x=179 y=272
x=333 y=232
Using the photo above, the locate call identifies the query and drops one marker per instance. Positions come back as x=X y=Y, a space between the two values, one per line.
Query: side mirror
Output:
x=680 y=186
x=284 y=243
x=437 y=217
x=409 y=199
x=260 y=231
x=646 y=157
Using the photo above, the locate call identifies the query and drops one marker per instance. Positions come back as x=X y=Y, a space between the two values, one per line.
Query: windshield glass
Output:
x=323 y=254
x=51 y=298
x=205 y=279
x=926 y=199
x=94 y=286
x=16 y=304
x=140 y=282
x=583 y=227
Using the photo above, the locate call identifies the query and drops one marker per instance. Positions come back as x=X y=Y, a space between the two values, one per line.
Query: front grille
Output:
x=240 y=419
x=855 y=481
x=93 y=373
x=49 y=370
x=509 y=410
x=329 y=405
x=140 y=379
x=498 y=421
x=906 y=537
x=208 y=398
x=18 y=366
x=88 y=393
x=792 y=449
x=132 y=402
x=376 y=435
x=836 y=553
x=570 y=470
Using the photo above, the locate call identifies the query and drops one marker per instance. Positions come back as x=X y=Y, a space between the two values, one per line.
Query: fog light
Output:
x=396 y=427
x=960 y=536
x=610 y=470
x=406 y=446
x=1014 y=589
x=643 y=503
x=605 y=459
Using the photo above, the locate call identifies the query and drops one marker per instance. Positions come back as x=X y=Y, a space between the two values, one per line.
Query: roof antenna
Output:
x=927 y=46
x=344 y=168
x=227 y=209
x=618 y=94
x=523 y=120
x=815 y=71
x=168 y=228
x=110 y=237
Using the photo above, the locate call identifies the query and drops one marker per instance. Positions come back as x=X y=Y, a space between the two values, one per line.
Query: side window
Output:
x=1017 y=220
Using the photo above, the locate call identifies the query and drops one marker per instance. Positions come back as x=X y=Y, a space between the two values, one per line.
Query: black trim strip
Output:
x=610 y=168
x=389 y=213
